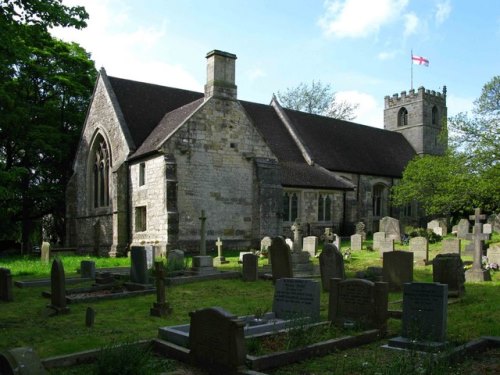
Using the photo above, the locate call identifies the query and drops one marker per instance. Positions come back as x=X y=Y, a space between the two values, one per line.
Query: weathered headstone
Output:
x=45 y=252
x=487 y=228
x=419 y=246
x=6 y=285
x=58 y=288
x=289 y=243
x=449 y=269
x=451 y=246
x=494 y=220
x=87 y=269
x=463 y=229
x=359 y=302
x=89 y=317
x=360 y=229
x=397 y=269
x=386 y=245
x=281 y=260
x=250 y=267
x=296 y=298
x=297 y=236
x=328 y=236
x=493 y=253
x=138 y=265
x=203 y=234
x=216 y=341
x=438 y=226
x=21 y=361
x=477 y=273
x=390 y=226
x=219 y=259
x=377 y=237
x=310 y=244
x=331 y=265
x=424 y=320
x=301 y=263
x=336 y=240
x=356 y=242
x=203 y=265
x=265 y=243
x=161 y=307
x=175 y=260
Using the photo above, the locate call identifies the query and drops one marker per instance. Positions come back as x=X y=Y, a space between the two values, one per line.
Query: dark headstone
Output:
x=87 y=269
x=89 y=317
x=21 y=361
x=331 y=265
x=449 y=269
x=160 y=307
x=250 y=267
x=281 y=260
x=175 y=260
x=397 y=269
x=359 y=302
x=216 y=341
x=6 y=285
x=138 y=265
x=58 y=288
x=296 y=298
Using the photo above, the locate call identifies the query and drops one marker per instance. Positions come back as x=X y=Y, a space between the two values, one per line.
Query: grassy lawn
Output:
x=25 y=322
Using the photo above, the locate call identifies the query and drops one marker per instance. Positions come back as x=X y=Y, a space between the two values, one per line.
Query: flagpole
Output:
x=411 y=68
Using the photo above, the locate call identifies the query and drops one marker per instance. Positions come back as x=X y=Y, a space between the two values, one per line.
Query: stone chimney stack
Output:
x=220 y=75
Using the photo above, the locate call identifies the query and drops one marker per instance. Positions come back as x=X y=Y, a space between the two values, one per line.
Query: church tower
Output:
x=420 y=116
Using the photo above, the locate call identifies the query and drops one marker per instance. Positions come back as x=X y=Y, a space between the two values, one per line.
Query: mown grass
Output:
x=26 y=321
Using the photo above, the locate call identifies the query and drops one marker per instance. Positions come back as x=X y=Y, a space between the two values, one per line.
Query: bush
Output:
x=422 y=232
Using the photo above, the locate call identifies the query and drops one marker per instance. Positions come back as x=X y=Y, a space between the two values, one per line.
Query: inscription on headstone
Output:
x=449 y=269
x=397 y=268
x=310 y=244
x=296 y=298
x=419 y=246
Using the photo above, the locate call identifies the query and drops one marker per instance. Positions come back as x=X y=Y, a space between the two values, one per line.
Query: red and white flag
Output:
x=419 y=60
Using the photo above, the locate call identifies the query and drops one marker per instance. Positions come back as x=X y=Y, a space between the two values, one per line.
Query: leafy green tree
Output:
x=44 y=92
x=318 y=99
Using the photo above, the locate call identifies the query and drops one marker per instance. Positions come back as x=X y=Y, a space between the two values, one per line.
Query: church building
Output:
x=151 y=158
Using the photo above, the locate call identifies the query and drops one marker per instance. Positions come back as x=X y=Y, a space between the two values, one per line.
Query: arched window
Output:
x=100 y=173
x=379 y=200
x=403 y=117
x=290 y=206
x=324 y=207
x=435 y=117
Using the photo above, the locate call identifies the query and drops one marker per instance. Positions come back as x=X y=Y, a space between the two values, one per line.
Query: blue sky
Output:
x=360 y=47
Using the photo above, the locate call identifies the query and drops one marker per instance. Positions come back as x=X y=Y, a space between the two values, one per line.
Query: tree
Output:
x=318 y=99
x=45 y=88
x=468 y=175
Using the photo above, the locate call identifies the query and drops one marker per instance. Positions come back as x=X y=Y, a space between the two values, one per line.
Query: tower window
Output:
x=142 y=174
x=434 y=115
x=403 y=117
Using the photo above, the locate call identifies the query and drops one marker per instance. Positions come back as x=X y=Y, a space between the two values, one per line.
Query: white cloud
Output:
x=359 y=18
x=458 y=104
x=369 y=112
x=411 y=24
x=443 y=10
x=255 y=73
x=386 y=55
x=124 y=48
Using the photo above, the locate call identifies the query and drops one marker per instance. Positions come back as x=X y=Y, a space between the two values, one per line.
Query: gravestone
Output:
x=242 y=254
x=265 y=243
x=301 y=263
x=359 y=302
x=149 y=256
x=424 y=320
x=281 y=260
x=203 y=233
x=390 y=226
x=203 y=265
x=216 y=341
x=477 y=273
x=360 y=229
x=493 y=253
x=21 y=361
x=397 y=269
x=219 y=259
x=328 y=236
x=310 y=244
x=419 y=246
x=89 y=317
x=494 y=220
x=463 y=229
x=175 y=260
x=296 y=298
x=87 y=269
x=356 y=242
x=386 y=245
x=58 y=288
x=297 y=236
x=138 y=265
x=487 y=228
x=6 y=285
x=161 y=307
x=45 y=252
x=438 y=226
x=449 y=269
x=250 y=267
x=451 y=246
x=289 y=243
x=377 y=237
x=331 y=265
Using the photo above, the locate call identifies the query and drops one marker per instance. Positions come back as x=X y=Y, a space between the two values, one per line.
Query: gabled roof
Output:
x=143 y=104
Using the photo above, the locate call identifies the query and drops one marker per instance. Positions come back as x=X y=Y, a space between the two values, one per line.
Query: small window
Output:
x=324 y=207
x=434 y=115
x=407 y=210
x=403 y=117
x=290 y=206
x=142 y=174
x=140 y=219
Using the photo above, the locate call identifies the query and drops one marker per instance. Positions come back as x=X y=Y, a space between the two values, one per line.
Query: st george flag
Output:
x=419 y=60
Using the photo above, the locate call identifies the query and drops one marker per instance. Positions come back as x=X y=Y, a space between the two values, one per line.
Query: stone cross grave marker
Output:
x=281 y=260
x=296 y=299
x=328 y=236
x=356 y=242
x=463 y=229
x=331 y=265
x=219 y=259
x=250 y=267
x=217 y=341
x=138 y=265
x=419 y=246
x=377 y=237
x=477 y=273
x=360 y=229
x=58 y=288
x=310 y=244
x=449 y=269
x=390 y=226
x=358 y=302
x=297 y=236
x=397 y=269
x=45 y=252
x=203 y=233
x=6 y=285
x=451 y=246
x=425 y=308
x=161 y=307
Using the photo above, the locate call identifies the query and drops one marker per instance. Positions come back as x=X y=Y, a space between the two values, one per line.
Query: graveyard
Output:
x=333 y=330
